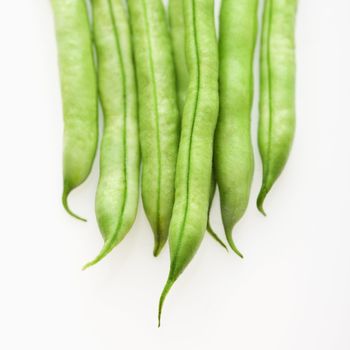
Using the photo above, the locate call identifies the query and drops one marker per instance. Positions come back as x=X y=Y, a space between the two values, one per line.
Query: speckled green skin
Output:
x=233 y=152
x=277 y=86
x=194 y=165
x=177 y=29
x=159 y=117
x=79 y=93
x=118 y=188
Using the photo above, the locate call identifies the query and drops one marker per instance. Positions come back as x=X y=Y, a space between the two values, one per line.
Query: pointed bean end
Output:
x=165 y=292
x=158 y=247
x=215 y=236
x=261 y=199
x=107 y=248
x=233 y=245
x=156 y=251
x=65 y=195
x=92 y=263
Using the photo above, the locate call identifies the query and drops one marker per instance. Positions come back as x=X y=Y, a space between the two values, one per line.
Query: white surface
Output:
x=290 y=292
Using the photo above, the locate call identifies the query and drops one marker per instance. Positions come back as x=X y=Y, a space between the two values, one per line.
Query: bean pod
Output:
x=194 y=163
x=233 y=153
x=79 y=93
x=117 y=193
x=159 y=117
x=177 y=30
x=277 y=86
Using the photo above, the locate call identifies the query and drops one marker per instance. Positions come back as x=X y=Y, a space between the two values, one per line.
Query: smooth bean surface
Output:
x=277 y=86
x=159 y=117
x=79 y=93
x=233 y=153
x=194 y=163
x=177 y=30
x=118 y=187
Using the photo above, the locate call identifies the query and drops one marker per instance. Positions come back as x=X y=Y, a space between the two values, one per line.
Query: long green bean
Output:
x=118 y=187
x=159 y=117
x=233 y=153
x=79 y=93
x=194 y=163
x=277 y=86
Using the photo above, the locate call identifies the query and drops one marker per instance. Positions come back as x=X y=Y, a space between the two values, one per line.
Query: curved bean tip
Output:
x=215 y=236
x=107 y=248
x=233 y=245
x=91 y=263
x=65 y=195
x=165 y=292
x=157 y=249
x=159 y=242
x=261 y=199
x=86 y=266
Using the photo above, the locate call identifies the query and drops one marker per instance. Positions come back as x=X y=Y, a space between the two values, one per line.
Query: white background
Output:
x=292 y=291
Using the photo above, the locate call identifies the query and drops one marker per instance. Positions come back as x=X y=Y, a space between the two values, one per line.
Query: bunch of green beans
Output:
x=178 y=101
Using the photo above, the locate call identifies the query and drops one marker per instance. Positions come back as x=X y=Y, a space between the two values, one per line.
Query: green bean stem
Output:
x=159 y=117
x=79 y=93
x=194 y=163
x=117 y=192
x=277 y=86
x=233 y=153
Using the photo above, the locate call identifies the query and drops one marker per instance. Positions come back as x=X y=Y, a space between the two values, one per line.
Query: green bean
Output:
x=233 y=153
x=194 y=163
x=277 y=85
x=177 y=30
x=117 y=192
x=79 y=93
x=210 y=230
x=159 y=117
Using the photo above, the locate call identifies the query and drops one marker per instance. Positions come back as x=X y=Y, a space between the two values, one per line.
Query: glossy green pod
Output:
x=177 y=30
x=79 y=93
x=233 y=152
x=118 y=187
x=277 y=86
x=159 y=117
x=194 y=163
